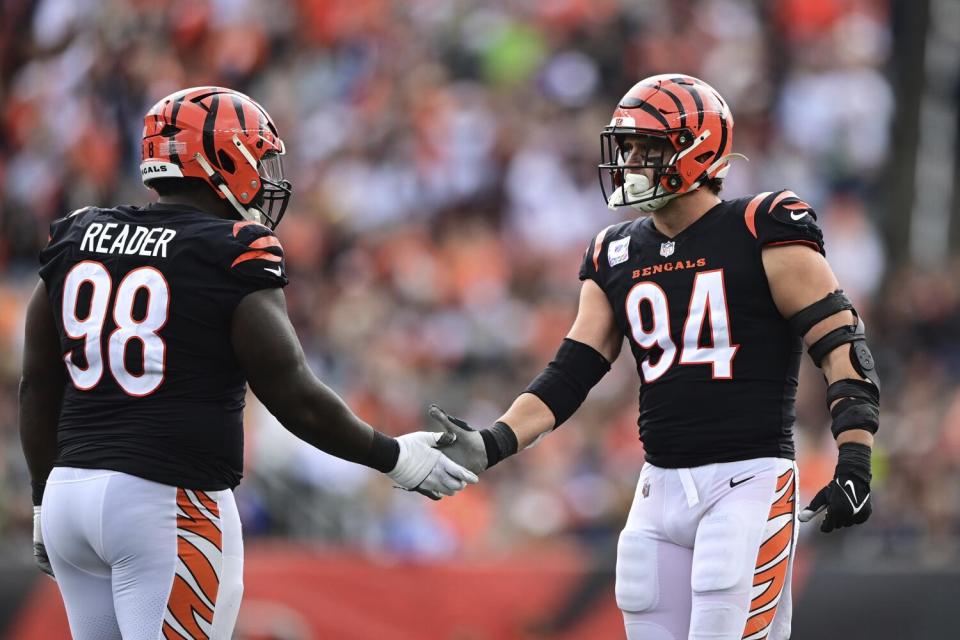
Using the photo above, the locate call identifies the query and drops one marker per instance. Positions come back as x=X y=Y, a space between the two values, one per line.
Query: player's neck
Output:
x=212 y=205
x=680 y=213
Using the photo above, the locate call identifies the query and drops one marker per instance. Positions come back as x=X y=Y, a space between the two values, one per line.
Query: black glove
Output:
x=475 y=450
x=847 y=497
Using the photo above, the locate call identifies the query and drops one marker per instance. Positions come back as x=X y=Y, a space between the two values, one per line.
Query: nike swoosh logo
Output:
x=798 y=216
x=853 y=501
x=733 y=484
x=277 y=271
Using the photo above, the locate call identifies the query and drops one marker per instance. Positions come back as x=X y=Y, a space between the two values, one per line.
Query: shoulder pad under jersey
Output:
x=781 y=217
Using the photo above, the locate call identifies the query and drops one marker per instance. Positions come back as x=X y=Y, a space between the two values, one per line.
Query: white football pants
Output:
x=707 y=552
x=139 y=560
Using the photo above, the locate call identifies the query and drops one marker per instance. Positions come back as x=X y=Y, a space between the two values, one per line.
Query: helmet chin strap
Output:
x=637 y=186
x=247 y=213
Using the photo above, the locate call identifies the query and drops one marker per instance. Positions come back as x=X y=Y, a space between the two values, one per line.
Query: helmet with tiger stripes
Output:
x=224 y=138
x=688 y=119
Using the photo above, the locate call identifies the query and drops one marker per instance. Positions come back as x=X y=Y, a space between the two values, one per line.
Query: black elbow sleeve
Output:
x=854 y=335
x=565 y=383
x=853 y=404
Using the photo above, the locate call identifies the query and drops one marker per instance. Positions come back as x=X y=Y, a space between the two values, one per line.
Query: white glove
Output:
x=39 y=551
x=422 y=468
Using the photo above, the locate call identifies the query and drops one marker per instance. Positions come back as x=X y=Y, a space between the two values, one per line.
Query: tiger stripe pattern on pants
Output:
x=196 y=581
x=773 y=559
x=140 y=559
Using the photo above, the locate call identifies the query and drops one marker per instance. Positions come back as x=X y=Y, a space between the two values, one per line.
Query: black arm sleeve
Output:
x=565 y=383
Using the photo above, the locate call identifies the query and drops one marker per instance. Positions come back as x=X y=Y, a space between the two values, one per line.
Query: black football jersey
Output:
x=143 y=300
x=718 y=364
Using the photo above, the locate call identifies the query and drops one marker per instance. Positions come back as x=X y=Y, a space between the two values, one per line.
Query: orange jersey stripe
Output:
x=264 y=242
x=751 y=211
x=256 y=255
x=597 y=246
x=748 y=216
x=240 y=225
x=812 y=245
x=780 y=198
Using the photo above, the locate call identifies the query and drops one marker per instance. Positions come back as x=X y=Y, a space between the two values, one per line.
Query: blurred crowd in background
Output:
x=443 y=156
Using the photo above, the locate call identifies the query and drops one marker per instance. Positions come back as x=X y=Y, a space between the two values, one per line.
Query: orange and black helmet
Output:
x=685 y=113
x=224 y=138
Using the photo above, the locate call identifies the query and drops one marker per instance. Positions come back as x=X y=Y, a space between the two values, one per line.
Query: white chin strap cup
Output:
x=636 y=186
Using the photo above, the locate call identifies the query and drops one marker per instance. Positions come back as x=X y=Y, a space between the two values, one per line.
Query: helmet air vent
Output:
x=226 y=162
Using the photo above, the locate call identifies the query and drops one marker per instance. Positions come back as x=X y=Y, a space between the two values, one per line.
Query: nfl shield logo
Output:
x=666 y=248
x=646 y=488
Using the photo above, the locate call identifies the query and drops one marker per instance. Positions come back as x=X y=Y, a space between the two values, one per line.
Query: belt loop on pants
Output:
x=689 y=487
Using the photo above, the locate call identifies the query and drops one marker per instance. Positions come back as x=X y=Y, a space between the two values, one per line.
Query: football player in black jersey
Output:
x=715 y=298
x=140 y=339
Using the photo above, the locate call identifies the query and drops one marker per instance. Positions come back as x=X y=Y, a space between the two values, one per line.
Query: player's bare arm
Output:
x=803 y=288
x=41 y=396
x=593 y=342
x=276 y=368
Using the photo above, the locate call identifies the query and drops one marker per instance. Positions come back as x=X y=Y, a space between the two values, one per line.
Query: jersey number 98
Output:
x=90 y=327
